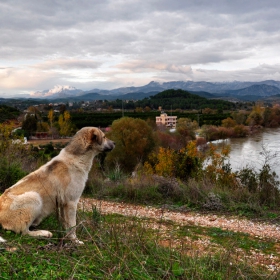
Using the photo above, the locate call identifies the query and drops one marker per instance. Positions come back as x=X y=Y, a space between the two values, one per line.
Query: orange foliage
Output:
x=165 y=165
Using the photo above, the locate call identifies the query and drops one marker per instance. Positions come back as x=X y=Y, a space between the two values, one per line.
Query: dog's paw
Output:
x=40 y=233
x=48 y=234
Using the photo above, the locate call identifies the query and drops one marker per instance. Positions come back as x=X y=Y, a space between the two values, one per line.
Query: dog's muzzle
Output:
x=110 y=145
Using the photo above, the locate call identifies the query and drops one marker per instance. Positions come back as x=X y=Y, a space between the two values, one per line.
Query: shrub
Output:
x=10 y=173
x=268 y=187
x=240 y=131
x=134 y=141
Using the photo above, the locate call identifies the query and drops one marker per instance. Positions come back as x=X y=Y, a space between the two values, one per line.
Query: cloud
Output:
x=111 y=43
x=139 y=66
x=67 y=64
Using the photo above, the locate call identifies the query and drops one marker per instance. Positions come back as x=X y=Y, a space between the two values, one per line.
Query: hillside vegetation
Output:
x=176 y=99
x=185 y=100
x=8 y=113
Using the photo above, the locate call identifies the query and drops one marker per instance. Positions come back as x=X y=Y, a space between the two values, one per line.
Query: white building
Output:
x=168 y=121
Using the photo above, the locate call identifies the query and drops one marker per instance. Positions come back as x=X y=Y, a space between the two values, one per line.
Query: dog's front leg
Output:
x=68 y=216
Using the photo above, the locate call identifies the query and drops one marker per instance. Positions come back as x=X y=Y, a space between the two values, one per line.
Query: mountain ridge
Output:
x=241 y=90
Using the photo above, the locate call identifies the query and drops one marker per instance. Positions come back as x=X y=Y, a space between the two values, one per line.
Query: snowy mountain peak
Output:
x=57 y=91
x=60 y=88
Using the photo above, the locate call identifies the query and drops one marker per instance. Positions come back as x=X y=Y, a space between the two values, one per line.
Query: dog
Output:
x=55 y=187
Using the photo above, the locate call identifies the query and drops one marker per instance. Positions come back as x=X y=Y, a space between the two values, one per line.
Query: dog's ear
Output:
x=97 y=136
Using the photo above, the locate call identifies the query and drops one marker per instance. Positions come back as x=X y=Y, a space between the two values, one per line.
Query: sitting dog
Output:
x=54 y=187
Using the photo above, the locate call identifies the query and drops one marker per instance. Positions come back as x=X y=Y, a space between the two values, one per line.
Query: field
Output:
x=124 y=241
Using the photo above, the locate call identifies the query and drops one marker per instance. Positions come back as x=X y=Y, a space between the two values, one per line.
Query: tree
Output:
x=43 y=126
x=30 y=124
x=62 y=108
x=165 y=165
x=240 y=117
x=228 y=122
x=51 y=119
x=65 y=125
x=186 y=129
x=134 y=140
x=255 y=118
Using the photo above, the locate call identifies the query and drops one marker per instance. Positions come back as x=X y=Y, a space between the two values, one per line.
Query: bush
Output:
x=10 y=173
x=134 y=141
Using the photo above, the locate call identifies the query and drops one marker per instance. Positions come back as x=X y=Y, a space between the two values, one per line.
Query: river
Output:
x=249 y=151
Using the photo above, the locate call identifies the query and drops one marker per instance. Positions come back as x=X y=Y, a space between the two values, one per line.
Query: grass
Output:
x=118 y=247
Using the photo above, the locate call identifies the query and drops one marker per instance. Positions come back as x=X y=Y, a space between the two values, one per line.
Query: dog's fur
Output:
x=54 y=187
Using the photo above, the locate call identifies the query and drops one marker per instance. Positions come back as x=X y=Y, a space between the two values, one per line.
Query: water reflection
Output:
x=250 y=151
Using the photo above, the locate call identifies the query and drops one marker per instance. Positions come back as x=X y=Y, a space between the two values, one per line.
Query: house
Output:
x=168 y=121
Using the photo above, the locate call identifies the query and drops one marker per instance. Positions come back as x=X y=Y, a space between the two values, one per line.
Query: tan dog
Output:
x=54 y=187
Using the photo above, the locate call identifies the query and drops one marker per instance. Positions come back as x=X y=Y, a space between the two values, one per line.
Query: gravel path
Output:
x=202 y=245
x=236 y=224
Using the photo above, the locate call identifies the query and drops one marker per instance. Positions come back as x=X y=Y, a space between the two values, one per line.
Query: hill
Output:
x=8 y=113
x=178 y=98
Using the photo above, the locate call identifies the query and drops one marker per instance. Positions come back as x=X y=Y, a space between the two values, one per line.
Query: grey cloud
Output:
x=68 y=64
x=169 y=38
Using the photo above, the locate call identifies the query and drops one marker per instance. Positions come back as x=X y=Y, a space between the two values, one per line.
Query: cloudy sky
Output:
x=113 y=43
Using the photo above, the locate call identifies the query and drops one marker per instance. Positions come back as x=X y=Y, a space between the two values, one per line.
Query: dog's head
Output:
x=90 y=139
x=99 y=138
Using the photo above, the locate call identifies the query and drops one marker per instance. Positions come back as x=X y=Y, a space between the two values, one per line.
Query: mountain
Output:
x=57 y=92
x=97 y=96
x=247 y=91
x=261 y=90
x=236 y=90
x=217 y=87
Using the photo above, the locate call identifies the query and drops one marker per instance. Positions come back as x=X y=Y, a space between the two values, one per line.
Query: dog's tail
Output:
x=2 y=239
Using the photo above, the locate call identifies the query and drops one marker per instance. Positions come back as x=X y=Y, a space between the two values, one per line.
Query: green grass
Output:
x=118 y=247
x=230 y=239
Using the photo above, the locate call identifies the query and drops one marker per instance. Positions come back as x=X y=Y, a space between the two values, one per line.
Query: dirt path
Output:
x=236 y=224
x=202 y=245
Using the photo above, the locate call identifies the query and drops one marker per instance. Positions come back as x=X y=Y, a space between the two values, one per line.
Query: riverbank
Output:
x=262 y=146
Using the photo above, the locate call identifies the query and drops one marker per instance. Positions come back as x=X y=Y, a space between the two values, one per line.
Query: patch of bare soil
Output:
x=203 y=245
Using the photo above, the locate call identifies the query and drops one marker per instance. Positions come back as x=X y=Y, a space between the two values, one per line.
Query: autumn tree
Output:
x=228 y=122
x=165 y=165
x=183 y=163
x=188 y=162
x=256 y=116
x=65 y=125
x=51 y=117
x=218 y=169
x=134 y=140
x=51 y=120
